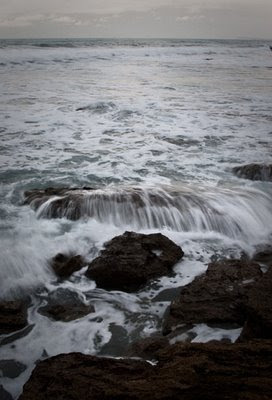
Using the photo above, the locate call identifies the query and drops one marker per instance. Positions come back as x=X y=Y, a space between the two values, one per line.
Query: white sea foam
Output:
x=172 y=124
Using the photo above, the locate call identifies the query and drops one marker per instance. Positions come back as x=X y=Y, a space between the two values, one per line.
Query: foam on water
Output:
x=155 y=128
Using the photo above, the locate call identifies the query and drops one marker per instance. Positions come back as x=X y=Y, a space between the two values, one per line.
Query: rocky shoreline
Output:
x=231 y=294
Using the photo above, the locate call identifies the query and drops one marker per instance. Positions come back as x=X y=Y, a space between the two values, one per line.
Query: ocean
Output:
x=163 y=119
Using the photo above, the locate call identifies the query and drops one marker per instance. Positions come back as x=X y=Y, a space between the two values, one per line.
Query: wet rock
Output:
x=118 y=343
x=4 y=395
x=148 y=347
x=65 y=305
x=13 y=316
x=214 y=298
x=11 y=368
x=130 y=260
x=255 y=172
x=65 y=265
x=40 y=194
x=258 y=308
x=187 y=372
x=264 y=256
x=167 y=294
x=65 y=202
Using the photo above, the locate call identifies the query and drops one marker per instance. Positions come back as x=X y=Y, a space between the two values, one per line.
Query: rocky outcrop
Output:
x=188 y=372
x=130 y=260
x=65 y=265
x=13 y=316
x=42 y=195
x=64 y=202
x=258 y=308
x=65 y=305
x=216 y=297
x=255 y=172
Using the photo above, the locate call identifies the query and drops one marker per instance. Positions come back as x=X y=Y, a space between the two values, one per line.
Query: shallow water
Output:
x=166 y=120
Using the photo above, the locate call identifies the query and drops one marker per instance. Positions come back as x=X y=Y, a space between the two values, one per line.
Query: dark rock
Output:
x=118 y=343
x=255 y=172
x=258 y=309
x=264 y=256
x=66 y=265
x=65 y=202
x=17 y=335
x=11 y=368
x=184 y=372
x=216 y=297
x=130 y=260
x=167 y=294
x=148 y=347
x=4 y=395
x=65 y=305
x=13 y=316
x=78 y=202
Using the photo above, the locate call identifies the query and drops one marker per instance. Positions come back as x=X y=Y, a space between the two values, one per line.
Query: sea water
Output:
x=166 y=120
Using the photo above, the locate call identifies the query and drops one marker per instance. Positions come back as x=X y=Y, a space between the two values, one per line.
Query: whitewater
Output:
x=154 y=127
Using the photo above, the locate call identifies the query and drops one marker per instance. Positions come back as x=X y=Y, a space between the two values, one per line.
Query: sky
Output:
x=242 y=19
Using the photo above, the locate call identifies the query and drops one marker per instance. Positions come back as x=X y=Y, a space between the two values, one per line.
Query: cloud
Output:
x=187 y=18
x=21 y=20
x=30 y=20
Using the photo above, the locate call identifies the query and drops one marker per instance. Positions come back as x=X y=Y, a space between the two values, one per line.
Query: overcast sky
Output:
x=136 y=18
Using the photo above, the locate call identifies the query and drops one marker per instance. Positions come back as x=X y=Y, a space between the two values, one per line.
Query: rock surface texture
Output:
x=258 y=309
x=255 y=172
x=65 y=305
x=64 y=202
x=130 y=260
x=217 y=297
x=184 y=372
x=65 y=265
x=13 y=316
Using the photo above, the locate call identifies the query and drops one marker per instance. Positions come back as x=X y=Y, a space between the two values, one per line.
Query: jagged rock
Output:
x=65 y=305
x=255 y=172
x=214 y=298
x=130 y=260
x=188 y=372
x=13 y=316
x=258 y=309
x=65 y=265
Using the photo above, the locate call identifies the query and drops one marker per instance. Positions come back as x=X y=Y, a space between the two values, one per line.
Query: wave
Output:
x=236 y=213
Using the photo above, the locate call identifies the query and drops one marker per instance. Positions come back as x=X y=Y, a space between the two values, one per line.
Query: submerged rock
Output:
x=130 y=260
x=11 y=368
x=65 y=305
x=13 y=316
x=258 y=308
x=64 y=202
x=264 y=256
x=187 y=372
x=255 y=172
x=4 y=395
x=216 y=297
x=75 y=203
x=65 y=265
